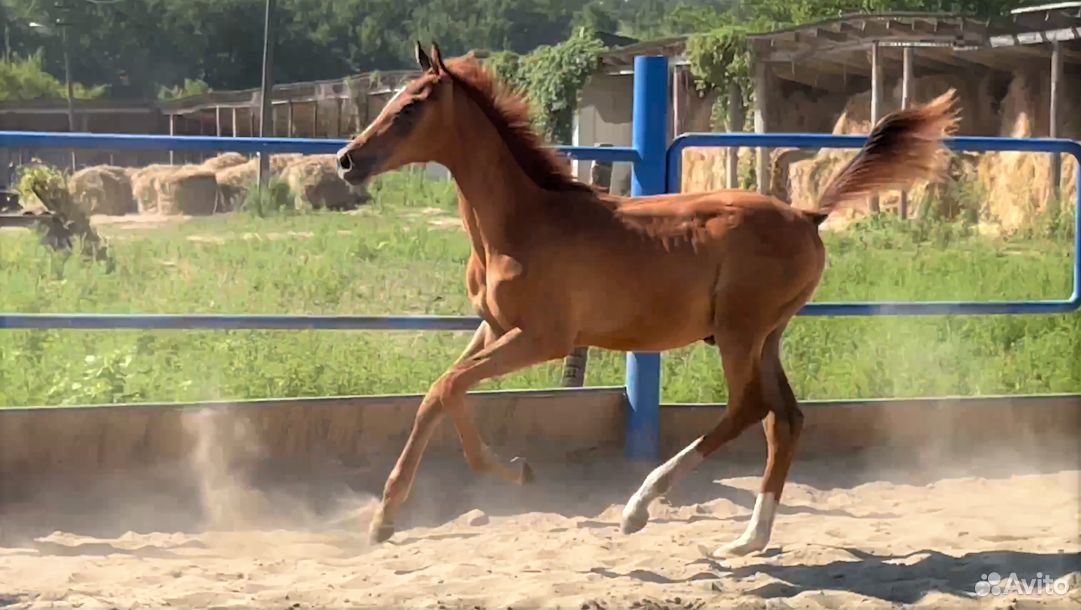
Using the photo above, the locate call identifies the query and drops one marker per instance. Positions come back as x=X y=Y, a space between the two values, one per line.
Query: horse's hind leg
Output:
x=740 y=355
x=782 y=425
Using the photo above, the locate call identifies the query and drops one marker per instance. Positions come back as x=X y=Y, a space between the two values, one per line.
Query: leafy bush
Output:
x=718 y=58
x=187 y=89
x=274 y=200
x=552 y=78
x=41 y=177
x=25 y=79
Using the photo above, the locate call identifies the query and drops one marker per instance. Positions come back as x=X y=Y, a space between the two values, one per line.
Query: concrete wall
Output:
x=46 y=444
x=916 y=429
x=40 y=446
x=604 y=116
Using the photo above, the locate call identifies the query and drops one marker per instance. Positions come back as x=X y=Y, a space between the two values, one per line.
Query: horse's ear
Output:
x=422 y=58
x=437 y=58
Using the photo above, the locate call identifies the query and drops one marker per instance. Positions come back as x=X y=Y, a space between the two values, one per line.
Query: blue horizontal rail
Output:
x=613 y=154
x=917 y=308
x=307 y=146
x=232 y=322
x=30 y=139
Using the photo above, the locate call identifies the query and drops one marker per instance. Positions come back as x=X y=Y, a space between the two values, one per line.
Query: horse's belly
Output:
x=652 y=324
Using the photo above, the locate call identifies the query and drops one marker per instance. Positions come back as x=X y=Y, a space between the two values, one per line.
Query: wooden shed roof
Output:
x=372 y=83
x=622 y=57
x=1033 y=25
x=833 y=54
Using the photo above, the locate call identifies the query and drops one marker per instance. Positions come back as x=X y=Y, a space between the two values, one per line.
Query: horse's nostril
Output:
x=344 y=162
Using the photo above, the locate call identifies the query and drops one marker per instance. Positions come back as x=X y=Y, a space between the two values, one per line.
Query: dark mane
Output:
x=509 y=113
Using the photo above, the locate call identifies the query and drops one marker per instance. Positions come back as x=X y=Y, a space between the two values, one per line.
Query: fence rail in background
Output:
x=306 y=146
x=655 y=169
x=88 y=321
x=646 y=157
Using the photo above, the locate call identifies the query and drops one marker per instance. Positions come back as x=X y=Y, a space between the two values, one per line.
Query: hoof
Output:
x=633 y=520
x=379 y=533
x=525 y=475
x=740 y=548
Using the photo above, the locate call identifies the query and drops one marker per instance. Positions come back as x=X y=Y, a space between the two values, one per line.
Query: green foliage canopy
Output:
x=551 y=78
x=717 y=47
x=137 y=47
x=24 y=79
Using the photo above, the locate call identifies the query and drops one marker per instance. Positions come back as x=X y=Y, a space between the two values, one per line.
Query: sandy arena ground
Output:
x=851 y=534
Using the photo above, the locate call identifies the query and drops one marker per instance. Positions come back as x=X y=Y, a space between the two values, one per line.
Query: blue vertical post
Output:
x=649 y=138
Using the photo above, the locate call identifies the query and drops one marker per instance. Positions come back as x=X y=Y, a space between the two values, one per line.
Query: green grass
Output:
x=391 y=258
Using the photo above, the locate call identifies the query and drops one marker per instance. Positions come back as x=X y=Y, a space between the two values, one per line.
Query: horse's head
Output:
x=407 y=130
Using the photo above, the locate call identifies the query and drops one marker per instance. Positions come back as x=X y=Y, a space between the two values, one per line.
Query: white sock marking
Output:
x=659 y=481
x=759 y=529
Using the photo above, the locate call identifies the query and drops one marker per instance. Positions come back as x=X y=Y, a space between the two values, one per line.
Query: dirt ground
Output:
x=851 y=533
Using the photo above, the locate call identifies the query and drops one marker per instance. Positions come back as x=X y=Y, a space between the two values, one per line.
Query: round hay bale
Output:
x=224 y=161
x=235 y=181
x=315 y=184
x=170 y=190
x=278 y=163
x=102 y=189
x=144 y=186
x=188 y=190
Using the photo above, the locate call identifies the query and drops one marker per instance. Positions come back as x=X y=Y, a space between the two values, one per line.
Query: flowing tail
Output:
x=904 y=147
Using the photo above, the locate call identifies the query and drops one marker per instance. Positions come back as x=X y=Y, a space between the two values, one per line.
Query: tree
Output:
x=24 y=79
x=137 y=46
x=596 y=17
x=188 y=89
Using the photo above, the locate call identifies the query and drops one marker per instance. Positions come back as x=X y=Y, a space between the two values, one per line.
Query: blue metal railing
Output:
x=646 y=157
x=23 y=139
x=307 y=146
x=886 y=308
x=655 y=169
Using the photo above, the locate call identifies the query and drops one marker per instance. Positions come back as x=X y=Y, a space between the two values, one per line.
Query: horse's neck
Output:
x=493 y=190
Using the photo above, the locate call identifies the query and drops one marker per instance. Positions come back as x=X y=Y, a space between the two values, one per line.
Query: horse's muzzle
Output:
x=354 y=167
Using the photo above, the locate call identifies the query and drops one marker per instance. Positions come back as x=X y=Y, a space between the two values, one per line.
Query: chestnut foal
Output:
x=556 y=265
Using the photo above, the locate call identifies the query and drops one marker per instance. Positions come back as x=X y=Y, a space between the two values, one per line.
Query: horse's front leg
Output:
x=512 y=351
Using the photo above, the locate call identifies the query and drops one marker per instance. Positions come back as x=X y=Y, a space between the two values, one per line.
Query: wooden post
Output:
x=574 y=368
x=735 y=124
x=367 y=110
x=906 y=99
x=574 y=363
x=338 y=123
x=217 y=120
x=761 y=108
x=289 y=118
x=315 y=118
x=84 y=120
x=1056 y=159
x=172 y=132
x=236 y=132
x=266 y=92
x=876 y=102
x=201 y=155
x=251 y=122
